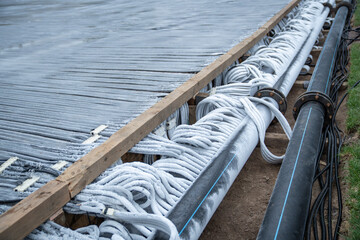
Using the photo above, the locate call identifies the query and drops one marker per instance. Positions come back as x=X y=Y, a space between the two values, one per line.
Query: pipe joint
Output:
x=275 y=94
x=315 y=96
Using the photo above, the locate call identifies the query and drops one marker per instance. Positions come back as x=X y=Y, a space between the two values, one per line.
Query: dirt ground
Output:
x=240 y=214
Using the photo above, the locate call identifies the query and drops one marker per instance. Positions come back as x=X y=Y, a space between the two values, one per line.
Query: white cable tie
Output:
x=161 y=131
x=95 y=134
x=212 y=91
x=26 y=184
x=110 y=211
x=7 y=163
x=59 y=165
x=171 y=124
x=91 y=139
x=99 y=129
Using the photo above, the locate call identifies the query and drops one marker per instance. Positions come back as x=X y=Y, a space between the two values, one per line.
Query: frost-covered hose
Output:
x=264 y=68
x=166 y=128
x=150 y=220
x=142 y=219
x=260 y=124
x=269 y=63
x=145 y=187
x=158 y=189
x=51 y=230
x=141 y=189
x=250 y=109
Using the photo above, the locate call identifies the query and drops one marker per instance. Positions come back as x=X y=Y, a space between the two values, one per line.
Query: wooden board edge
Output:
x=24 y=217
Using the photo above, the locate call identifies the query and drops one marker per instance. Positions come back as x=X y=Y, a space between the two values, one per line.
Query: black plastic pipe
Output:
x=287 y=212
x=210 y=181
x=191 y=213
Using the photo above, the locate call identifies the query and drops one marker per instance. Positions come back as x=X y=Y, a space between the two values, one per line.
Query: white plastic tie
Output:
x=91 y=139
x=110 y=211
x=26 y=184
x=161 y=131
x=95 y=134
x=7 y=163
x=59 y=165
x=171 y=124
x=98 y=130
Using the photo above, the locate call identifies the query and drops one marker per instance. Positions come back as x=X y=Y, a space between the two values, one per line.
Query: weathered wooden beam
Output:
x=25 y=216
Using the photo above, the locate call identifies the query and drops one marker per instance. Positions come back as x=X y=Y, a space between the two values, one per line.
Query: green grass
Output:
x=353 y=201
x=352 y=122
x=357 y=16
x=353 y=150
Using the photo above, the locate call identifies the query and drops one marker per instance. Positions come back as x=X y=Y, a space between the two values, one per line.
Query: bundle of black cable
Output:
x=324 y=218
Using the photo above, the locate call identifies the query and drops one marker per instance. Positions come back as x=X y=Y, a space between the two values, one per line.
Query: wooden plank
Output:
x=132 y=157
x=302 y=78
x=276 y=141
x=300 y=83
x=315 y=53
x=86 y=169
x=276 y=137
x=21 y=219
x=59 y=217
x=192 y=114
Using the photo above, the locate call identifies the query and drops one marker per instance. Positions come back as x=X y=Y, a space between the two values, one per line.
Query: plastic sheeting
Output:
x=69 y=66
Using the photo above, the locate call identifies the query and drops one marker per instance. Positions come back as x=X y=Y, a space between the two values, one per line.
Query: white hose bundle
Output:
x=248 y=104
x=54 y=231
x=269 y=63
x=140 y=189
x=265 y=68
x=252 y=111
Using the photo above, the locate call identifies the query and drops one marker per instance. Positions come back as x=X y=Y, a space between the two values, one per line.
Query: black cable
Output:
x=321 y=211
